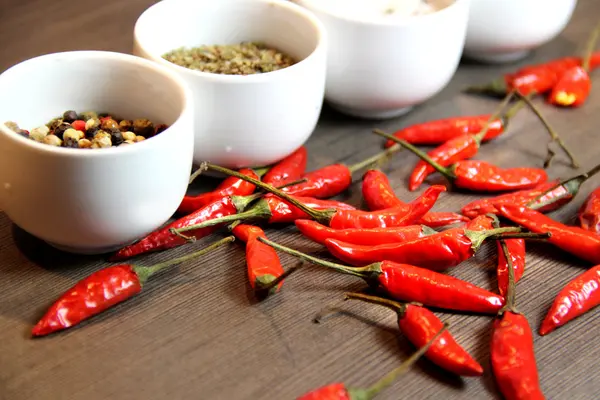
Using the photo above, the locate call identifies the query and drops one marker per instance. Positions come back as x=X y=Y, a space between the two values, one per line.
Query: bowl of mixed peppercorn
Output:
x=89 y=170
x=256 y=68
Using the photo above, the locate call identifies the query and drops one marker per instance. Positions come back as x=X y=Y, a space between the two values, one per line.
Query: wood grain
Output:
x=197 y=333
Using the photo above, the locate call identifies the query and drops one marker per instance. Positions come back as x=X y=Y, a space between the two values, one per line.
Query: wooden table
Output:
x=197 y=332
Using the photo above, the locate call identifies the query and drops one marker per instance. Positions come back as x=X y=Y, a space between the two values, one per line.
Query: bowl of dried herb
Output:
x=256 y=69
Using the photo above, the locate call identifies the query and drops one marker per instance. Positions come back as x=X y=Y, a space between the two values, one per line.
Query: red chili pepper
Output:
x=419 y=325
x=589 y=213
x=373 y=236
x=578 y=297
x=413 y=284
x=334 y=179
x=102 y=290
x=379 y=195
x=264 y=266
x=516 y=249
x=289 y=169
x=574 y=240
x=78 y=125
x=339 y=391
x=481 y=176
x=231 y=186
x=439 y=252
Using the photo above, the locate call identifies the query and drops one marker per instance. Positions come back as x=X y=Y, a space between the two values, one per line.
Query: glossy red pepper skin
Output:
x=334 y=391
x=589 y=213
x=481 y=176
x=516 y=249
x=407 y=214
x=289 y=169
x=379 y=195
x=90 y=296
x=520 y=198
x=457 y=149
x=163 y=239
x=323 y=183
x=262 y=261
x=373 y=236
x=285 y=213
x=231 y=186
x=572 y=88
x=442 y=130
x=420 y=325
x=513 y=358
x=574 y=240
x=578 y=297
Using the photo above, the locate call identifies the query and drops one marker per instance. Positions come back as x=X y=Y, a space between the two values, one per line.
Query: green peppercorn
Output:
x=128 y=136
x=38 y=134
x=109 y=124
x=87 y=115
x=143 y=127
x=54 y=123
x=126 y=125
x=102 y=139
x=52 y=140
x=70 y=116
x=60 y=130
x=92 y=123
x=84 y=144
x=116 y=137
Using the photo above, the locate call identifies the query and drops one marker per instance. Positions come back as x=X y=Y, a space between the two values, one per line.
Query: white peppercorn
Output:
x=102 y=139
x=52 y=140
x=128 y=136
x=38 y=134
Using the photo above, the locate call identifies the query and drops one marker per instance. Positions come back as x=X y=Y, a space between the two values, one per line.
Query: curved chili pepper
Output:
x=379 y=195
x=339 y=391
x=290 y=168
x=373 y=236
x=264 y=266
x=574 y=240
x=440 y=131
x=102 y=290
x=231 y=186
x=334 y=179
x=481 y=176
x=589 y=213
x=413 y=284
x=516 y=249
x=578 y=297
x=419 y=325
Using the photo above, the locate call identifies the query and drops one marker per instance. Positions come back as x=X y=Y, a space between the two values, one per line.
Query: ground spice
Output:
x=246 y=58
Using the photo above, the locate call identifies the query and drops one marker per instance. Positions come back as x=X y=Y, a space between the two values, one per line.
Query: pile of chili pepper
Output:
x=393 y=246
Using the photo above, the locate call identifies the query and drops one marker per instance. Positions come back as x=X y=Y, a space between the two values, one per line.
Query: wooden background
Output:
x=197 y=333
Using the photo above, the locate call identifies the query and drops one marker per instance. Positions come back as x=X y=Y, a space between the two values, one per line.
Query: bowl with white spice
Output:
x=386 y=56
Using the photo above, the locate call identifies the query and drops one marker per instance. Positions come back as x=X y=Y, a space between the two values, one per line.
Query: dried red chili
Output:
x=589 y=213
x=104 y=289
x=574 y=240
x=579 y=296
x=419 y=324
x=366 y=236
x=378 y=194
x=339 y=391
x=480 y=176
x=289 y=169
x=413 y=284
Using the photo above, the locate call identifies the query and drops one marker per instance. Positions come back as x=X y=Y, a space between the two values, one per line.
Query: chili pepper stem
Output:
x=322 y=216
x=144 y=272
x=478 y=237
x=261 y=171
x=497 y=114
x=377 y=159
x=422 y=155
x=555 y=137
x=400 y=308
x=509 y=304
x=264 y=288
x=390 y=377
x=589 y=48
x=196 y=174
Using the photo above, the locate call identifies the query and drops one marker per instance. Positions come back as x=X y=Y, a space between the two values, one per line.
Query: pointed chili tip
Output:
x=546 y=328
x=41 y=329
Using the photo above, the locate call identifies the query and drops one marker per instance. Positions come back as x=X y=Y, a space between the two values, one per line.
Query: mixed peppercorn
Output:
x=393 y=246
x=90 y=130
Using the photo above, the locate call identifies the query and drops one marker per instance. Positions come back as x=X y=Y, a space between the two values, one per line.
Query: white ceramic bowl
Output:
x=382 y=69
x=507 y=30
x=243 y=121
x=93 y=201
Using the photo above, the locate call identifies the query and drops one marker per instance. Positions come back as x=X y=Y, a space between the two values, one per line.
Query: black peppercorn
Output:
x=60 y=130
x=143 y=127
x=116 y=137
x=89 y=133
x=160 y=128
x=70 y=116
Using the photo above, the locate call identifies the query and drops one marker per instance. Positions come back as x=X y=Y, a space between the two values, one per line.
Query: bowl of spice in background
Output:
x=256 y=69
x=507 y=30
x=385 y=57
x=67 y=172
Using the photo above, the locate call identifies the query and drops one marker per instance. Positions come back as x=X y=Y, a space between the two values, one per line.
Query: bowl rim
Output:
x=400 y=23
x=179 y=84
x=253 y=78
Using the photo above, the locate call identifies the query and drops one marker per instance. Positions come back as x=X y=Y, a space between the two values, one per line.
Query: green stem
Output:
x=144 y=273
x=390 y=377
x=363 y=272
x=497 y=114
x=589 y=49
x=522 y=235
x=510 y=291
x=196 y=174
x=261 y=171
x=447 y=172
x=478 y=237
x=495 y=88
x=266 y=288
x=321 y=216
x=400 y=308
x=377 y=159
x=555 y=137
